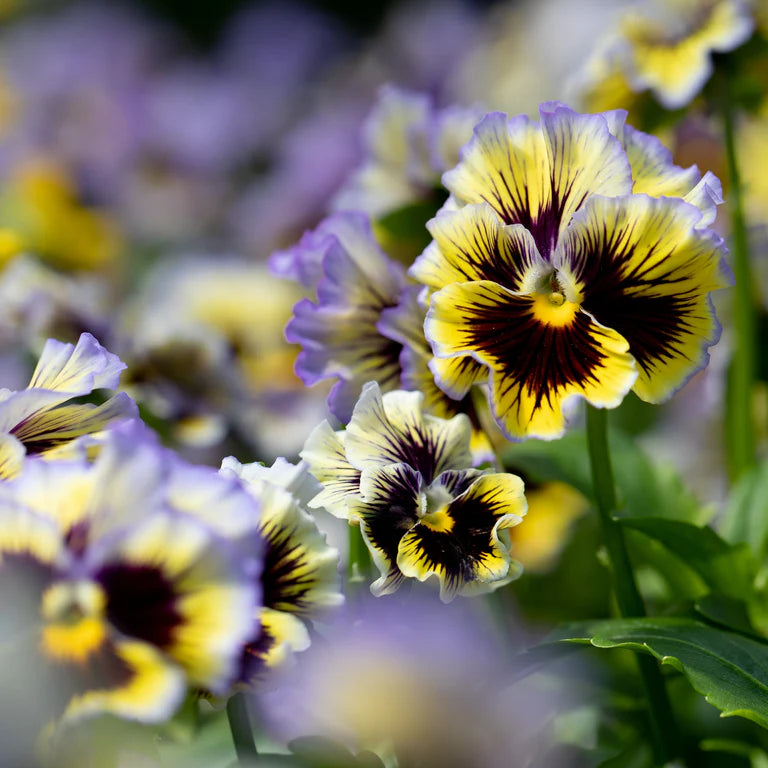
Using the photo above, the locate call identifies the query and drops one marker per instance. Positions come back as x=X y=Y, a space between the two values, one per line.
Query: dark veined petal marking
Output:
x=279 y=633
x=326 y=457
x=387 y=511
x=474 y=244
x=459 y=540
x=393 y=428
x=299 y=574
x=536 y=174
x=539 y=353
x=645 y=270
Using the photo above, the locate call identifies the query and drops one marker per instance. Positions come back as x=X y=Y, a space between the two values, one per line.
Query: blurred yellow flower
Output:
x=39 y=202
x=552 y=509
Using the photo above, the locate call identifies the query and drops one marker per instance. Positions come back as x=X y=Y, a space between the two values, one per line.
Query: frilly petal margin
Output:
x=76 y=370
x=646 y=270
x=326 y=457
x=538 y=356
x=538 y=175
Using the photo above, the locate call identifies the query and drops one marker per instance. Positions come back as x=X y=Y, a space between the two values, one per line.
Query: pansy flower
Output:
x=664 y=47
x=300 y=580
x=561 y=268
x=120 y=598
x=403 y=475
x=339 y=334
x=671 y=43
x=429 y=682
x=39 y=420
x=408 y=144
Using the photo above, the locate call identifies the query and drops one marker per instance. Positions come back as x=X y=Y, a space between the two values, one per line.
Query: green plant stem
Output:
x=359 y=561
x=740 y=436
x=240 y=726
x=628 y=599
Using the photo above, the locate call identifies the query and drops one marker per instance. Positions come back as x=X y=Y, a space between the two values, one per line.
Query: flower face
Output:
x=403 y=476
x=122 y=598
x=300 y=580
x=555 y=281
x=38 y=420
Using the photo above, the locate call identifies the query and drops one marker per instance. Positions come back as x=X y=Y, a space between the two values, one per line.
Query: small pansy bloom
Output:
x=367 y=323
x=669 y=45
x=408 y=145
x=122 y=599
x=300 y=579
x=573 y=260
x=404 y=476
x=40 y=421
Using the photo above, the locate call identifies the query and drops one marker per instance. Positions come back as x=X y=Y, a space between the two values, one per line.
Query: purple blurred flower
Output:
x=408 y=676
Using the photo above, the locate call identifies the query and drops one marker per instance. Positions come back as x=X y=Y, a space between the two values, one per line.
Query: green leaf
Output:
x=644 y=488
x=729 y=670
x=322 y=752
x=403 y=232
x=727 y=611
x=746 y=515
x=724 y=568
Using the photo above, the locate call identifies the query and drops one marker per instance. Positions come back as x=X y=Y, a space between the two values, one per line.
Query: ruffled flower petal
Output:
x=538 y=175
x=474 y=244
x=76 y=370
x=670 y=52
x=339 y=335
x=654 y=173
x=646 y=271
x=387 y=509
x=326 y=457
x=392 y=428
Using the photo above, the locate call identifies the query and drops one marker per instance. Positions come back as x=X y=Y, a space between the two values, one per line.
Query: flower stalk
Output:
x=359 y=561
x=628 y=599
x=740 y=436
x=240 y=727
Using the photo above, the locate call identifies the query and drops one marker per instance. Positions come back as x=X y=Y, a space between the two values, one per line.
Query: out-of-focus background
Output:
x=155 y=153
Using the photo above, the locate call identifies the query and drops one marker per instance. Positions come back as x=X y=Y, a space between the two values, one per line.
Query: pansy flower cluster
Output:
x=131 y=576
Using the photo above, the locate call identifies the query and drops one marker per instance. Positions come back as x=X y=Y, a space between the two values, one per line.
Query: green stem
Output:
x=359 y=562
x=240 y=726
x=740 y=436
x=628 y=599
